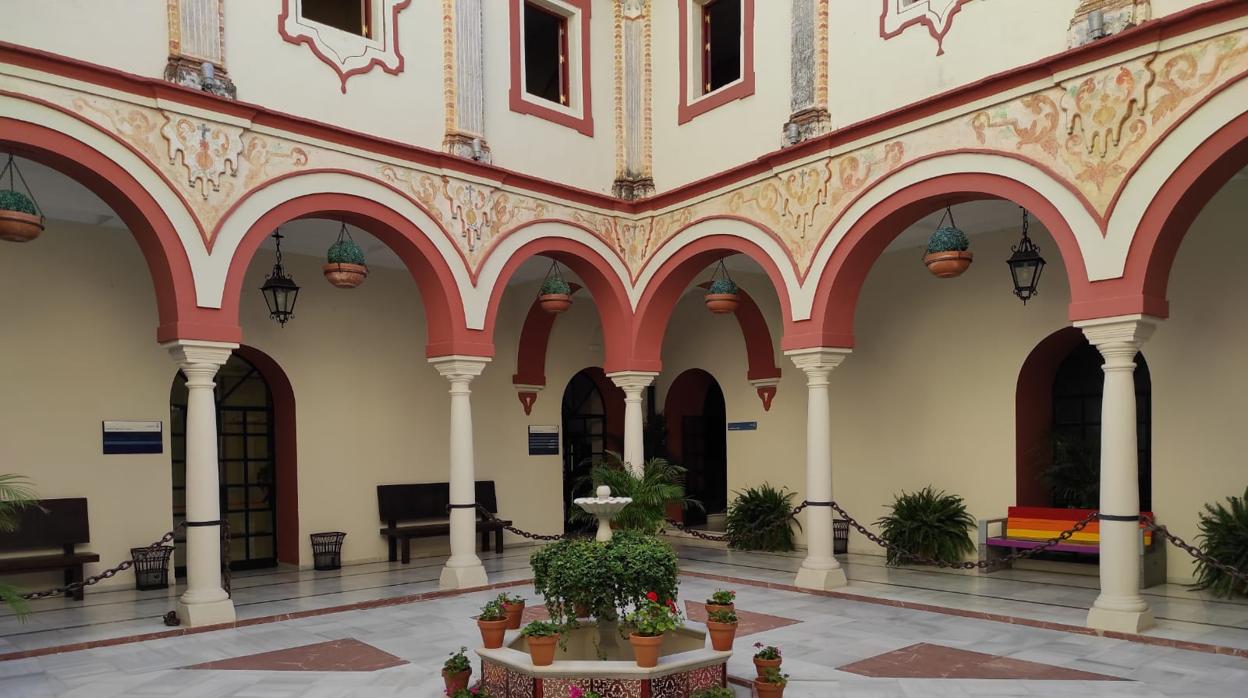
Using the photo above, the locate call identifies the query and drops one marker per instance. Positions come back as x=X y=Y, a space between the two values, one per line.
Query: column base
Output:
x=195 y=615
x=820 y=579
x=1120 y=621
x=463 y=577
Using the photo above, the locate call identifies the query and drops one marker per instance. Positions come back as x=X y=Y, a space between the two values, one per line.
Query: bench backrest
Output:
x=51 y=523
x=1043 y=523
x=427 y=500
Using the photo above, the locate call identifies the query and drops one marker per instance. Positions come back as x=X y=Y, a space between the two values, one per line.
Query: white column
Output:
x=1119 y=606
x=205 y=601
x=819 y=570
x=632 y=383
x=463 y=569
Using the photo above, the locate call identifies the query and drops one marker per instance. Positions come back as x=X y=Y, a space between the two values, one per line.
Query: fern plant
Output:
x=16 y=493
x=660 y=483
x=1224 y=537
x=928 y=522
x=761 y=518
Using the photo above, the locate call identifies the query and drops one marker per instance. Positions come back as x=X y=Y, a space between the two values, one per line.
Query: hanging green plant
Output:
x=555 y=296
x=722 y=293
x=344 y=267
x=21 y=219
x=948 y=249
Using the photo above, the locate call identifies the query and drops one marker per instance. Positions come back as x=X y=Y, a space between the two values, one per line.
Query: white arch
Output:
x=1161 y=164
x=210 y=284
x=1087 y=232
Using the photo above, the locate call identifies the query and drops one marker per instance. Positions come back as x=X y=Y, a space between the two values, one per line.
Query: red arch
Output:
x=674 y=276
x=1142 y=287
x=167 y=263
x=444 y=309
x=836 y=298
x=610 y=297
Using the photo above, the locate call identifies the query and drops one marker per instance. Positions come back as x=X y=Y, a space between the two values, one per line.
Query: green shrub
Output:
x=948 y=239
x=930 y=523
x=652 y=619
x=661 y=483
x=722 y=597
x=724 y=285
x=773 y=675
x=13 y=200
x=554 y=284
x=540 y=628
x=16 y=493
x=492 y=610
x=714 y=692
x=607 y=578
x=761 y=518
x=718 y=616
x=345 y=251
x=1224 y=537
x=458 y=662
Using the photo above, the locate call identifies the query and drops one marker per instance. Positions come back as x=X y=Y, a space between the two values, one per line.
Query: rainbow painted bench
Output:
x=1024 y=528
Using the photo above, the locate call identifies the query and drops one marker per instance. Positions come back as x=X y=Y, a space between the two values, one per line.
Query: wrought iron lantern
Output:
x=280 y=291
x=1026 y=264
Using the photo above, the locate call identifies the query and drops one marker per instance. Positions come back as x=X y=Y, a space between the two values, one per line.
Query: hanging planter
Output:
x=344 y=266
x=555 y=295
x=21 y=219
x=721 y=294
x=947 y=254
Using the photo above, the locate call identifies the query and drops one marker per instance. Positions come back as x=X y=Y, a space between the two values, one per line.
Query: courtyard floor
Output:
x=890 y=633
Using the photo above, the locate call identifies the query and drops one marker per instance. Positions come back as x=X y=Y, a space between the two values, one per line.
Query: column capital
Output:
x=459 y=368
x=818 y=360
x=632 y=381
x=194 y=352
x=1118 y=338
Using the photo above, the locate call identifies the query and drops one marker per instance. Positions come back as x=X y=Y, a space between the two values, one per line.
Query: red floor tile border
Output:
x=928 y=661
x=748 y=622
x=345 y=655
x=981 y=615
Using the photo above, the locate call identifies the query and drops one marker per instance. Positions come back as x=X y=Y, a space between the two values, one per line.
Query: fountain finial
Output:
x=605 y=507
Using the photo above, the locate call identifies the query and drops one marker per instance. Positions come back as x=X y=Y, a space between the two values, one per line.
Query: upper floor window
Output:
x=351 y=16
x=545 y=53
x=716 y=54
x=550 y=61
x=721 y=44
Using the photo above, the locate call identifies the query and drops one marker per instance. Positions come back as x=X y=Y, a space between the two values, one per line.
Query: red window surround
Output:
x=687 y=110
x=580 y=118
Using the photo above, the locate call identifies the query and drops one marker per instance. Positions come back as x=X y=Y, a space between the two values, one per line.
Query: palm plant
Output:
x=931 y=523
x=761 y=518
x=1074 y=478
x=661 y=483
x=1224 y=537
x=16 y=493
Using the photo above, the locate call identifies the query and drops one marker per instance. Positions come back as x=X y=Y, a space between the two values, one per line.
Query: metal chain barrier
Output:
x=1194 y=551
x=489 y=516
x=106 y=574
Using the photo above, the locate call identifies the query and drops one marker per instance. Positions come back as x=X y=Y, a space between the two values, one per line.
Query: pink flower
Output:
x=575 y=692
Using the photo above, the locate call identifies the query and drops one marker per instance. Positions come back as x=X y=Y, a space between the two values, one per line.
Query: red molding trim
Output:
x=583 y=124
x=343 y=76
x=741 y=89
x=937 y=33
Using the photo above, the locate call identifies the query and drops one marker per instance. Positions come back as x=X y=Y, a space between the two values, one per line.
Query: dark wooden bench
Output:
x=420 y=511
x=52 y=523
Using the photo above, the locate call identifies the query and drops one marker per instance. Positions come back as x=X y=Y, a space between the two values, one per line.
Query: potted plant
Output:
x=344 y=267
x=771 y=684
x=721 y=295
x=555 y=295
x=721 y=600
x=493 y=624
x=20 y=220
x=456 y=671
x=649 y=622
x=477 y=691
x=766 y=657
x=541 y=636
x=947 y=254
x=761 y=518
x=714 y=692
x=514 y=606
x=932 y=523
x=722 y=626
x=1223 y=536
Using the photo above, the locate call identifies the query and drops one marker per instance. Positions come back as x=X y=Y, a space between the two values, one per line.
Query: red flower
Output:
x=653 y=596
x=671 y=605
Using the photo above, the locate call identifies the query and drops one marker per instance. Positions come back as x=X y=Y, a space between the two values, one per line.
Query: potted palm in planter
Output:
x=721 y=600
x=721 y=294
x=492 y=622
x=766 y=657
x=344 y=267
x=514 y=606
x=722 y=626
x=456 y=671
x=20 y=218
x=649 y=622
x=541 y=636
x=771 y=684
x=947 y=250
x=555 y=295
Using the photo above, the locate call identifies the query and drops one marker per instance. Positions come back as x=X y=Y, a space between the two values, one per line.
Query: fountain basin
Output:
x=686 y=664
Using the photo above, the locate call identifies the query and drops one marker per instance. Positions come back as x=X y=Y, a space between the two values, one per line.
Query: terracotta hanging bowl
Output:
x=345 y=275
x=721 y=303
x=16 y=226
x=947 y=265
x=555 y=303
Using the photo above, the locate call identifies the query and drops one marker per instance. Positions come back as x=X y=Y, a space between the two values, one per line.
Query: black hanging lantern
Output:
x=1026 y=264
x=280 y=291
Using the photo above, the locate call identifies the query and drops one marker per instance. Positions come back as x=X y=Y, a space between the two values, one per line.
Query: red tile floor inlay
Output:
x=748 y=622
x=336 y=655
x=924 y=661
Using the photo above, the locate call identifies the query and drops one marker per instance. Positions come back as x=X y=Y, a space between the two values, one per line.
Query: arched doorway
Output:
x=584 y=434
x=697 y=439
x=250 y=467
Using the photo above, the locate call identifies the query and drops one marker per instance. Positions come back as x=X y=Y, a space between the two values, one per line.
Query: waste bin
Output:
x=151 y=567
x=840 y=536
x=327 y=550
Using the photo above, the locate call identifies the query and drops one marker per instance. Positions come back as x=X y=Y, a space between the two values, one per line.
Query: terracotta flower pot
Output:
x=646 y=649
x=345 y=275
x=947 y=265
x=555 y=303
x=492 y=632
x=16 y=226
x=515 y=612
x=542 y=649
x=713 y=607
x=455 y=682
x=722 y=635
x=768 y=690
x=720 y=303
x=762 y=665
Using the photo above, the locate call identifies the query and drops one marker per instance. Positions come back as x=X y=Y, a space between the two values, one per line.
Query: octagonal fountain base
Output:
x=598 y=659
